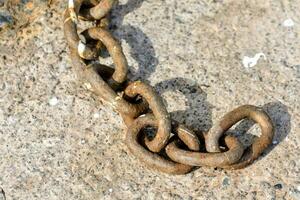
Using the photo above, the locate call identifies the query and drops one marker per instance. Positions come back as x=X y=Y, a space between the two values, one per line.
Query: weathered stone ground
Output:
x=57 y=141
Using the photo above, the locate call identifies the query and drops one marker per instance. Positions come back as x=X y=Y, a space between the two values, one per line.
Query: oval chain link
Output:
x=174 y=149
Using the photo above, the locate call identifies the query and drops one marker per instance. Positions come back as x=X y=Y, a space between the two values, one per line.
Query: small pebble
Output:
x=226 y=181
x=48 y=48
x=96 y=115
x=278 y=186
x=288 y=23
x=298 y=188
x=249 y=62
x=83 y=141
x=110 y=190
x=166 y=195
x=12 y=120
x=5 y=20
x=275 y=142
x=53 y=101
x=87 y=86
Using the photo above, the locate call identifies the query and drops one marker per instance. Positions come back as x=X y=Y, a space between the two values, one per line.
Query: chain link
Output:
x=174 y=149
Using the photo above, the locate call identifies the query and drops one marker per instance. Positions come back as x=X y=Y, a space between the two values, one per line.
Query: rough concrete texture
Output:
x=19 y=13
x=59 y=141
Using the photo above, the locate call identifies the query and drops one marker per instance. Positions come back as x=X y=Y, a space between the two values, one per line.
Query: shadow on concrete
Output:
x=198 y=114
x=141 y=47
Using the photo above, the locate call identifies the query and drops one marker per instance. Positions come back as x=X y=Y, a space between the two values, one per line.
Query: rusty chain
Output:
x=174 y=149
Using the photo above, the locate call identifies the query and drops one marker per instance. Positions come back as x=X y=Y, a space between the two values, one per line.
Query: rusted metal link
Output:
x=98 y=11
x=159 y=110
x=85 y=50
x=89 y=53
x=221 y=159
x=90 y=75
x=152 y=160
x=187 y=136
x=259 y=145
x=102 y=23
x=115 y=50
x=70 y=29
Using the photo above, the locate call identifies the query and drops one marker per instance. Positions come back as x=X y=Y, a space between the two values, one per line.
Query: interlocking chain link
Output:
x=174 y=149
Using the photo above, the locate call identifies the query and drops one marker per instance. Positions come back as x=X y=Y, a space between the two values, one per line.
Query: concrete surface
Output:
x=58 y=141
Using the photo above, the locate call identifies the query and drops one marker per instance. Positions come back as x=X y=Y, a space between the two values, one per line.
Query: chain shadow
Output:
x=280 y=118
x=198 y=116
x=141 y=47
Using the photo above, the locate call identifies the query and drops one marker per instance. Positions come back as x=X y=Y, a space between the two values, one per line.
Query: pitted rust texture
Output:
x=115 y=50
x=219 y=159
x=174 y=149
x=151 y=159
x=259 y=145
x=159 y=110
x=98 y=10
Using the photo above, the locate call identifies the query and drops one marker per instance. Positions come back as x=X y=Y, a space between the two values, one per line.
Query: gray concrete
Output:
x=58 y=141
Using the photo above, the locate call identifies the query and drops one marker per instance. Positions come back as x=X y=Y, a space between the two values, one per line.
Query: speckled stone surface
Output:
x=59 y=141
